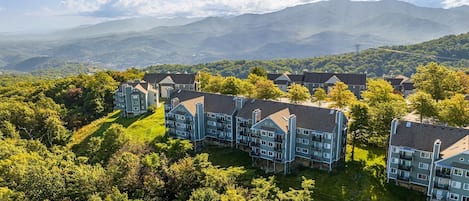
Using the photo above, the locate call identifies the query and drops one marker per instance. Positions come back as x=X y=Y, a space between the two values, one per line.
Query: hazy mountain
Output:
x=323 y=28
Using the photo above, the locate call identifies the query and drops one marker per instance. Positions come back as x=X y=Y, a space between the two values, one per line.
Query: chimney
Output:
x=436 y=149
x=256 y=116
x=239 y=103
x=174 y=102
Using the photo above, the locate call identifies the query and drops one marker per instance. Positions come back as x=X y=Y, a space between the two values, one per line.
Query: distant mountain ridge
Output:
x=316 y=29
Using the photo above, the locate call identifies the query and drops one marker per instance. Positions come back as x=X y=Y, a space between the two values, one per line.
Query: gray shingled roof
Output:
x=215 y=103
x=293 y=77
x=422 y=136
x=347 y=78
x=394 y=81
x=177 y=78
x=308 y=117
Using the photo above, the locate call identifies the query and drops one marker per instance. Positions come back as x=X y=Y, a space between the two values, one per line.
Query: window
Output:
x=263 y=133
x=298 y=149
x=395 y=150
x=271 y=144
x=263 y=152
x=326 y=155
x=393 y=171
x=305 y=151
x=465 y=186
x=467 y=173
x=425 y=154
x=423 y=166
x=394 y=160
x=271 y=134
x=328 y=136
x=422 y=176
x=263 y=142
x=457 y=172
x=135 y=96
x=453 y=196
x=271 y=153
x=455 y=184
x=327 y=146
x=305 y=132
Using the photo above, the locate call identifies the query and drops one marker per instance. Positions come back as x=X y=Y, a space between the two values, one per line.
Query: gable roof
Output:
x=142 y=86
x=281 y=119
x=308 y=117
x=292 y=77
x=190 y=104
x=347 y=78
x=394 y=81
x=422 y=136
x=456 y=148
x=215 y=103
x=177 y=78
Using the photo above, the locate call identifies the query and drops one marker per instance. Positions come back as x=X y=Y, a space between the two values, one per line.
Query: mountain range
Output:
x=316 y=29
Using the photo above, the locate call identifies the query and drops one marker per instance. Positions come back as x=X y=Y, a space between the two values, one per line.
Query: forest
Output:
x=390 y=61
x=39 y=117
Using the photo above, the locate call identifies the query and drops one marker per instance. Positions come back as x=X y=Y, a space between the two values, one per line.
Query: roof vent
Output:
x=252 y=101
x=408 y=124
x=331 y=112
x=179 y=91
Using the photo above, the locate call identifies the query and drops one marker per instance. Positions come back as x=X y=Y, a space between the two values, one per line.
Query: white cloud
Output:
x=454 y=3
x=170 y=8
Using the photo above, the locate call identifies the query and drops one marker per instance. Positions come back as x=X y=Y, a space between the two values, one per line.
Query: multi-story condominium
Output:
x=429 y=158
x=311 y=80
x=133 y=98
x=165 y=82
x=277 y=135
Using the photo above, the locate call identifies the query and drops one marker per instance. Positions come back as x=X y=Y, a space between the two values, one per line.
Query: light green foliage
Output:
x=424 y=104
x=204 y=194
x=203 y=79
x=340 y=96
x=266 y=89
x=116 y=195
x=384 y=106
x=319 y=95
x=231 y=85
x=298 y=93
x=9 y=130
x=214 y=84
x=437 y=80
x=173 y=148
x=454 y=111
x=124 y=170
x=114 y=138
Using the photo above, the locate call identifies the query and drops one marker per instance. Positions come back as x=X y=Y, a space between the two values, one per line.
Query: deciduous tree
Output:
x=319 y=95
x=340 y=96
x=298 y=93
x=454 y=111
x=424 y=104
x=437 y=80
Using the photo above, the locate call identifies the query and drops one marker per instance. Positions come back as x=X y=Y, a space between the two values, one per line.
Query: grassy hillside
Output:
x=141 y=129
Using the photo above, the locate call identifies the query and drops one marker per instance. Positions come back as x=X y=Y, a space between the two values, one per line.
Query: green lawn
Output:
x=140 y=129
x=362 y=179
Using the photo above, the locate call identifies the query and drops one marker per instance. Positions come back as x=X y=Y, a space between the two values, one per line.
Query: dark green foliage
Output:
x=449 y=51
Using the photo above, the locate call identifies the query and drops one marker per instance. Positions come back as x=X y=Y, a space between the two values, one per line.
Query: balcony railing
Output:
x=255 y=144
x=316 y=157
x=278 y=139
x=404 y=167
x=403 y=178
x=255 y=154
x=317 y=138
x=278 y=149
x=405 y=156
x=440 y=173
x=441 y=186
x=278 y=159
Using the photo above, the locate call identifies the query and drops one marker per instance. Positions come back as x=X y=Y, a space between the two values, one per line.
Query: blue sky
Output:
x=46 y=15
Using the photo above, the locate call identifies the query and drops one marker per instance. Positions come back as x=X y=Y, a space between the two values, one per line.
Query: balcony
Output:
x=403 y=178
x=317 y=138
x=405 y=156
x=255 y=144
x=277 y=139
x=404 y=167
x=278 y=149
x=316 y=148
x=220 y=120
x=255 y=154
x=319 y=158
x=441 y=186
x=443 y=174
